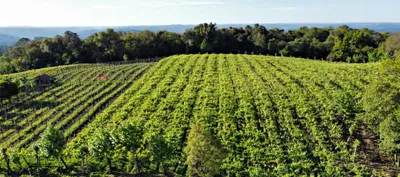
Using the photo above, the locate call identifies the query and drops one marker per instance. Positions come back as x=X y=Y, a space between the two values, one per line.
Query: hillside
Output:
x=251 y=114
x=80 y=92
x=10 y=35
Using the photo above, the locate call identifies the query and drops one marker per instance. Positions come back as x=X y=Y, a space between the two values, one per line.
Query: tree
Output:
x=5 y=66
x=203 y=37
x=259 y=39
x=206 y=47
x=53 y=143
x=126 y=57
x=129 y=136
x=72 y=45
x=53 y=49
x=160 y=151
x=191 y=40
x=110 y=46
x=340 y=44
x=103 y=146
x=21 y=42
x=204 y=152
x=392 y=45
x=140 y=45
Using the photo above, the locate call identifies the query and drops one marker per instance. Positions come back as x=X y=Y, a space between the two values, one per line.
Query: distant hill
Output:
x=380 y=27
x=7 y=39
x=10 y=35
x=15 y=33
x=89 y=32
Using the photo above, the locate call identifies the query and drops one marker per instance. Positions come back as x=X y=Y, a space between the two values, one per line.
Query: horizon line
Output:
x=278 y=23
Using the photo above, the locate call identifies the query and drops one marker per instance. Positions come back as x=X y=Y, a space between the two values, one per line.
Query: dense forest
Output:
x=342 y=44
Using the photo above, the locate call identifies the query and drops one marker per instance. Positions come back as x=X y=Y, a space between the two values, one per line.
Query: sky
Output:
x=165 y=12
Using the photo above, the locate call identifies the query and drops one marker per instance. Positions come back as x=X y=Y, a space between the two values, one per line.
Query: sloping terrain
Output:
x=265 y=116
x=272 y=115
x=79 y=93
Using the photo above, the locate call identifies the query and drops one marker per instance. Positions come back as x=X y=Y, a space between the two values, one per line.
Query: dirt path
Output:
x=371 y=156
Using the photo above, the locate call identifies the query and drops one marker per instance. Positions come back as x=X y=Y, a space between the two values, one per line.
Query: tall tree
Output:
x=110 y=46
x=259 y=38
x=160 y=151
x=72 y=45
x=129 y=136
x=53 y=143
x=392 y=45
x=103 y=146
x=204 y=152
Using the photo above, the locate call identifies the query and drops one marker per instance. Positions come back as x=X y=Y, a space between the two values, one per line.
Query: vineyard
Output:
x=81 y=92
x=237 y=115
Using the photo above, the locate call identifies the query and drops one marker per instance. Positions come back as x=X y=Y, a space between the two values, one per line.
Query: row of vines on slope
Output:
x=206 y=115
x=266 y=116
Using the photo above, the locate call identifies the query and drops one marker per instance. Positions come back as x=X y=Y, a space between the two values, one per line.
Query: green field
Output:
x=68 y=105
x=266 y=116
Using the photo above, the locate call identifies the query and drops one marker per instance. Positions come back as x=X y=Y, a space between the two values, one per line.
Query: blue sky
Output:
x=163 y=12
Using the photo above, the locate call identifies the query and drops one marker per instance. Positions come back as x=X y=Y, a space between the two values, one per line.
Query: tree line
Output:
x=342 y=44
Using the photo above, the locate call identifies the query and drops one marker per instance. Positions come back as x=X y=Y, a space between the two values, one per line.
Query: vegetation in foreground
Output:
x=207 y=115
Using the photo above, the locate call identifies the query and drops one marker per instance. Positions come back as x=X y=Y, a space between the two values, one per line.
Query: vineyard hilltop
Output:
x=253 y=115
